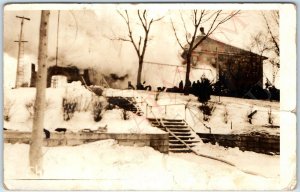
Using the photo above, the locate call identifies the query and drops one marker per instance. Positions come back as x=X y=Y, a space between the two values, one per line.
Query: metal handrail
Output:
x=160 y=121
x=209 y=128
x=186 y=145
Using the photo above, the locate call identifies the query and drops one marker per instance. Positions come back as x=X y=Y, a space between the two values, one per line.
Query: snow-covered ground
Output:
x=104 y=165
x=107 y=165
x=20 y=118
x=173 y=105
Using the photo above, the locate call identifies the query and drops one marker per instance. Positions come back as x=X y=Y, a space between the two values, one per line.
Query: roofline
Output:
x=263 y=57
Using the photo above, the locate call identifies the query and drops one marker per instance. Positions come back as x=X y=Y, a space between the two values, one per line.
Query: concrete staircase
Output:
x=180 y=128
x=127 y=103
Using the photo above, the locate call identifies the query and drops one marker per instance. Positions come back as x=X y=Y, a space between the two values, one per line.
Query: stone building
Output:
x=237 y=70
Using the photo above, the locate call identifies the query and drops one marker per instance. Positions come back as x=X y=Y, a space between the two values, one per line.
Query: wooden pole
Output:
x=18 y=82
x=35 y=152
x=57 y=33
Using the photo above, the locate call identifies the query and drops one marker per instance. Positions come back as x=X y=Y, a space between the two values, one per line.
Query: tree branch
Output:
x=176 y=35
x=272 y=35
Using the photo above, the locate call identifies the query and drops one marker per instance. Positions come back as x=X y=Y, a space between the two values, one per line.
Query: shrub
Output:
x=203 y=89
x=98 y=105
x=270 y=116
x=225 y=115
x=207 y=110
x=69 y=107
x=125 y=115
x=97 y=111
x=83 y=104
x=157 y=95
x=7 y=109
x=29 y=105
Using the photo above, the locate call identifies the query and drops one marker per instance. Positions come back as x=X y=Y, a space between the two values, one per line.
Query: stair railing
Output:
x=160 y=122
x=209 y=128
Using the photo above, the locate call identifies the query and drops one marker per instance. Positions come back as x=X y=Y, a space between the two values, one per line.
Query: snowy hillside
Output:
x=20 y=117
x=174 y=105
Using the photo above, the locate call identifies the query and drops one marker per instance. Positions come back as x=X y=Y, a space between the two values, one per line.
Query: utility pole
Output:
x=20 y=69
x=57 y=33
x=35 y=151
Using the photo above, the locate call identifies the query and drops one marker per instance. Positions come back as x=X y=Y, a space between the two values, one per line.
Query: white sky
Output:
x=85 y=31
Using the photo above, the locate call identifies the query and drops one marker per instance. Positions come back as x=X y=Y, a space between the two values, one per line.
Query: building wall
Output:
x=239 y=69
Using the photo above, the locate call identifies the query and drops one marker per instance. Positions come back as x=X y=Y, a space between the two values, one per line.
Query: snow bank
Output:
x=82 y=118
x=104 y=165
x=262 y=164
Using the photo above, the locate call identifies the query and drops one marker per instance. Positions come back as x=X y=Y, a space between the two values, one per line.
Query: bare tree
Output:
x=266 y=41
x=140 y=43
x=35 y=152
x=212 y=19
x=272 y=28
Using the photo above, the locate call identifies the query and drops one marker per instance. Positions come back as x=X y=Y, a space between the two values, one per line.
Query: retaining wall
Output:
x=159 y=142
x=268 y=144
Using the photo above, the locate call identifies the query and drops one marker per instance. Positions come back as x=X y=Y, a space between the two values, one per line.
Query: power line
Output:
x=170 y=65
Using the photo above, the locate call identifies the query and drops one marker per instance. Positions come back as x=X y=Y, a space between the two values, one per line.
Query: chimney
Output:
x=202 y=31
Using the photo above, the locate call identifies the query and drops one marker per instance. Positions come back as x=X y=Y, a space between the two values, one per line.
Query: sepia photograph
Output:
x=172 y=96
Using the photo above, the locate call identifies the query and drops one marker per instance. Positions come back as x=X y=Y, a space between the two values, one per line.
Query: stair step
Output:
x=179 y=150
x=175 y=141
x=184 y=138
x=172 y=146
x=173 y=120
x=179 y=130
x=167 y=120
x=169 y=126
x=179 y=134
x=173 y=123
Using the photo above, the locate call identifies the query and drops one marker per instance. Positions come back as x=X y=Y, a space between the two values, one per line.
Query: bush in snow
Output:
x=225 y=115
x=7 y=109
x=98 y=105
x=83 y=104
x=69 y=107
x=270 y=116
x=29 y=105
x=125 y=114
x=97 y=110
x=157 y=95
x=207 y=109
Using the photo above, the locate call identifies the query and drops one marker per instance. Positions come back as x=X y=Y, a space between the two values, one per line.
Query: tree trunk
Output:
x=35 y=152
x=187 y=75
x=139 y=75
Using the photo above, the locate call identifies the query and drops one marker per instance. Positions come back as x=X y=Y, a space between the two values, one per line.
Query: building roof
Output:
x=223 y=48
